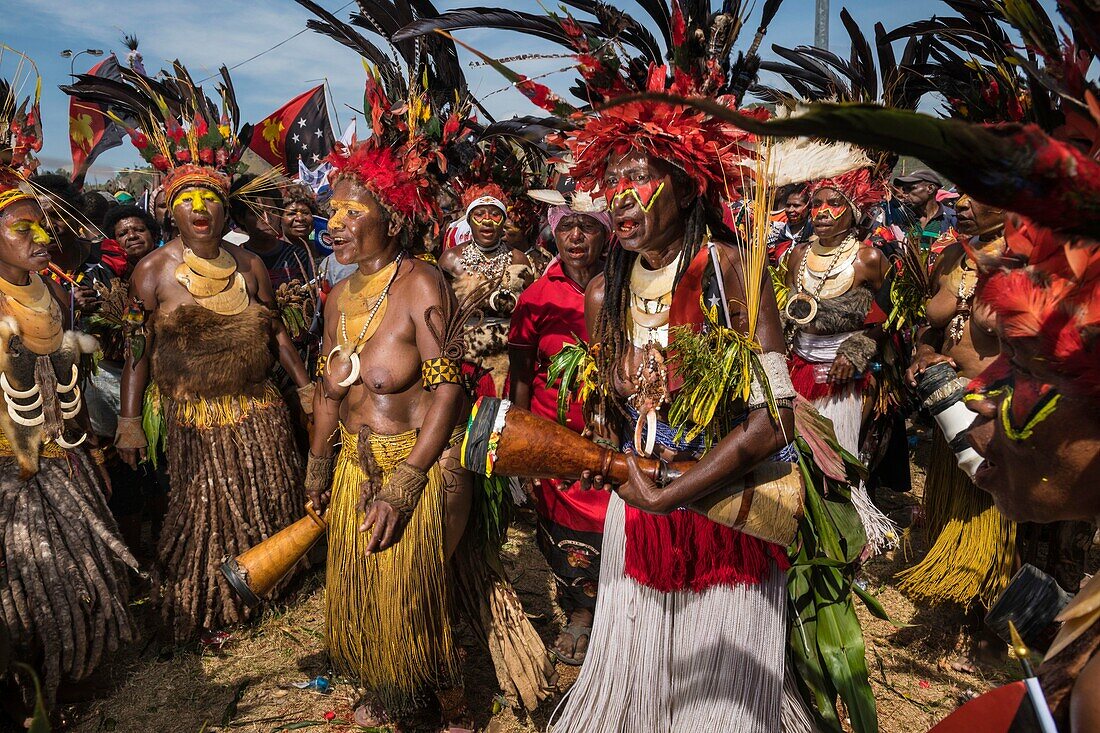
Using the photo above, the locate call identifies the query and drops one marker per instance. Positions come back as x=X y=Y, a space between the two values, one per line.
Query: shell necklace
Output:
x=215 y=284
x=491 y=267
x=650 y=301
x=355 y=297
x=802 y=306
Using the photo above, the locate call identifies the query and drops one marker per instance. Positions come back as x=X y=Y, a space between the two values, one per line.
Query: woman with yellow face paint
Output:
x=209 y=340
x=64 y=589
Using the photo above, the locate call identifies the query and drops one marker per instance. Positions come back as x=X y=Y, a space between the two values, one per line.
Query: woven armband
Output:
x=778 y=378
x=319 y=474
x=403 y=491
x=441 y=371
x=130 y=435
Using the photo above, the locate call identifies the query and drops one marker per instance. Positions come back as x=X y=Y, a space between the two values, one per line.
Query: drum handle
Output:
x=312 y=512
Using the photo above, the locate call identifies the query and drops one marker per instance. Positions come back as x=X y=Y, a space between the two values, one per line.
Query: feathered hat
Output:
x=20 y=135
x=1048 y=311
x=416 y=114
x=694 y=59
x=178 y=130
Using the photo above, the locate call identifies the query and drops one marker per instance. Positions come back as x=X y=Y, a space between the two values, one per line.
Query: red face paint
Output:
x=643 y=193
x=834 y=212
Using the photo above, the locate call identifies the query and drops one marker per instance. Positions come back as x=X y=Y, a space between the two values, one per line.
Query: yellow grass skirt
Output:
x=387 y=615
x=972 y=555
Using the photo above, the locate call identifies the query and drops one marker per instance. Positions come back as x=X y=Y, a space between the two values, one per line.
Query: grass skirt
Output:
x=236 y=480
x=387 y=615
x=974 y=544
x=63 y=584
x=682 y=661
x=845 y=408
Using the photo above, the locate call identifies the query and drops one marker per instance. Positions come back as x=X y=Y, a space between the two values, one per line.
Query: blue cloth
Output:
x=666 y=437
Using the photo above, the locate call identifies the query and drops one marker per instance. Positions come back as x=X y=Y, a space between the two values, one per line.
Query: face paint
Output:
x=197 y=197
x=834 y=212
x=1025 y=405
x=34 y=228
x=342 y=208
x=644 y=193
x=492 y=220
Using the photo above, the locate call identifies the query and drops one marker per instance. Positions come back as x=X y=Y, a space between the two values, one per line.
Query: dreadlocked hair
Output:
x=610 y=331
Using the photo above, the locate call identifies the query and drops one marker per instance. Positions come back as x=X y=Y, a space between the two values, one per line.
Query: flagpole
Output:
x=330 y=100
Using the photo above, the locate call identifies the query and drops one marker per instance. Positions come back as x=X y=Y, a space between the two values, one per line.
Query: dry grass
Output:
x=247 y=686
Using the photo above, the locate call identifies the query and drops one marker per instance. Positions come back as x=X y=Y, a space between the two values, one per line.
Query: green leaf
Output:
x=874 y=606
x=822 y=523
x=804 y=653
x=40 y=720
x=840 y=641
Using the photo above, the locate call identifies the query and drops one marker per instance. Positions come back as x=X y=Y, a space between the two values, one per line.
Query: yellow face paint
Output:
x=489 y=221
x=343 y=208
x=1037 y=411
x=645 y=193
x=34 y=228
x=197 y=197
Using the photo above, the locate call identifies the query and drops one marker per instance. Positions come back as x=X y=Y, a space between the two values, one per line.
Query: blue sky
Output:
x=232 y=31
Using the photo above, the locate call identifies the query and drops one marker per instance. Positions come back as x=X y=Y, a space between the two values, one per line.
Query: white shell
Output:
x=23 y=408
x=33 y=422
x=66 y=388
x=12 y=392
x=69 y=446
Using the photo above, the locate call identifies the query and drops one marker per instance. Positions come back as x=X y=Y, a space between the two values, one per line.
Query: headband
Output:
x=486 y=201
x=557 y=213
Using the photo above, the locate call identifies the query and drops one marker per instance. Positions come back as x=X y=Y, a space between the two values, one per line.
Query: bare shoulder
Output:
x=423 y=279
x=153 y=263
x=871 y=256
x=449 y=258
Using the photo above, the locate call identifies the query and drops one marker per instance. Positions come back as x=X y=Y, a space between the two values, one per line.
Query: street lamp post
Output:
x=68 y=54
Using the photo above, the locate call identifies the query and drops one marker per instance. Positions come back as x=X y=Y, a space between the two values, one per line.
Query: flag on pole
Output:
x=297 y=131
x=90 y=131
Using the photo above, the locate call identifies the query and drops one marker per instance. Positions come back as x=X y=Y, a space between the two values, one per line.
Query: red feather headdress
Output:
x=1048 y=311
x=860 y=187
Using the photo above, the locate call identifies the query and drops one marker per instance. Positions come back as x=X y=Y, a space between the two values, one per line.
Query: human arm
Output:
x=288 y=355
x=929 y=338
x=522 y=353
x=326 y=415
x=755 y=440
x=1084 y=706
x=856 y=353
x=388 y=512
x=130 y=436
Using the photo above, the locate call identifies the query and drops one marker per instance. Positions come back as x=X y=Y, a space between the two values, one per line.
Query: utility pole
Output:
x=821 y=24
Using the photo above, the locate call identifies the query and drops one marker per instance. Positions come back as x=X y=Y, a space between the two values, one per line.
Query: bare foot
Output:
x=571 y=646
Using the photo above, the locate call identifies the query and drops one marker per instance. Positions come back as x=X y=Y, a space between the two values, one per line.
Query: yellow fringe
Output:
x=387 y=615
x=49 y=449
x=222 y=411
x=975 y=544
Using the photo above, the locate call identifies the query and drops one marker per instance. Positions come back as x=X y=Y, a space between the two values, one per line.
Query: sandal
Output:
x=575 y=632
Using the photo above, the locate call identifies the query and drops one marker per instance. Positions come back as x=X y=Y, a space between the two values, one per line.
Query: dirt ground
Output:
x=248 y=683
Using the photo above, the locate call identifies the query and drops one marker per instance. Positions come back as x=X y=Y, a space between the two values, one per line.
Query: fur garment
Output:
x=200 y=354
x=24 y=369
x=843 y=313
x=859 y=348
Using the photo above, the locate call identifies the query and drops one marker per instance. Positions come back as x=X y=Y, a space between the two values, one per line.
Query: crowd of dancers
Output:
x=693 y=323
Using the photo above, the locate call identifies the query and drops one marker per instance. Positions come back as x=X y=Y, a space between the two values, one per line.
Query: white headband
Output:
x=485 y=201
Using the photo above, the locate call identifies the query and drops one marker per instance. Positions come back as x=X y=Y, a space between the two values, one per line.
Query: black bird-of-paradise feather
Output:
x=1016 y=167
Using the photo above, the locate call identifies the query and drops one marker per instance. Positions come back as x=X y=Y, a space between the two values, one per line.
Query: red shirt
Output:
x=549 y=314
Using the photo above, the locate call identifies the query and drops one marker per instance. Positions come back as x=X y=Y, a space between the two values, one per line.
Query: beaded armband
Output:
x=441 y=371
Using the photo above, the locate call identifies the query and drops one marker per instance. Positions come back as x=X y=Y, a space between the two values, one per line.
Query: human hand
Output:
x=133 y=456
x=640 y=491
x=841 y=370
x=592 y=480
x=382 y=522
x=925 y=358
